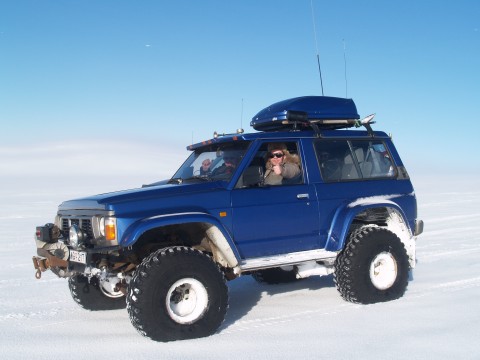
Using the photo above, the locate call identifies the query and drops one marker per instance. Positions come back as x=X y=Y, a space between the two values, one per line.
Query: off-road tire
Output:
x=373 y=267
x=274 y=276
x=177 y=293
x=88 y=295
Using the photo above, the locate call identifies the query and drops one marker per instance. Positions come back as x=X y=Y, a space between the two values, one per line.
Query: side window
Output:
x=335 y=160
x=275 y=163
x=376 y=160
x=341 y=160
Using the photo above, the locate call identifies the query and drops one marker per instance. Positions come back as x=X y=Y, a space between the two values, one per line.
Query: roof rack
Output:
x=366 y=122
x=300 y=120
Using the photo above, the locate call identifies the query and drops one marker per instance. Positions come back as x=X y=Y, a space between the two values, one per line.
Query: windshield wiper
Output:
x=175 y=181
x=200 y=177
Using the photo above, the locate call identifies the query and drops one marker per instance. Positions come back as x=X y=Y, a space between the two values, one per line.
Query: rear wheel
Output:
x=373 y=267
x=93 y=294
x=177 y=293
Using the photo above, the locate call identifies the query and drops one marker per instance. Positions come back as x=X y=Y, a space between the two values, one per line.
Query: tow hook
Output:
x=40 y=265
x=45 y=261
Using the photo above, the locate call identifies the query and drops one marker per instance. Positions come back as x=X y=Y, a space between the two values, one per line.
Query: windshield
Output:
x=212 y=162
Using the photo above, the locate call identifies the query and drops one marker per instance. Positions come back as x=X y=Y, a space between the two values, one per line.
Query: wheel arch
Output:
x=386 y=213
x=214 y=237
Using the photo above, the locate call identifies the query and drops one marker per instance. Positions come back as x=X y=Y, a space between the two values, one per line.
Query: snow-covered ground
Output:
x=438 y=318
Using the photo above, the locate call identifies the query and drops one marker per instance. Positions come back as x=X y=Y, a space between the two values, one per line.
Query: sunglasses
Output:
x=276 y=155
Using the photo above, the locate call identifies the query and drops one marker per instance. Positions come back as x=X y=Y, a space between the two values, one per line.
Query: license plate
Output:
x=78 y=256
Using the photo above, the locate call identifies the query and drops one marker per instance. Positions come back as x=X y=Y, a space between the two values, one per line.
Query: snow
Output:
x=438 y=318
x=374 y=200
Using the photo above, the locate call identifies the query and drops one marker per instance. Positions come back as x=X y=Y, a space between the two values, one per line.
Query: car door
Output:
x=275 y=219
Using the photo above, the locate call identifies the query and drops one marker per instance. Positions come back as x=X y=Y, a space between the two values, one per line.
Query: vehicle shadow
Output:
x=245 y=292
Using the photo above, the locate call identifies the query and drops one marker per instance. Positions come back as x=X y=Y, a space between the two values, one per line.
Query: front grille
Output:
x=83 y=223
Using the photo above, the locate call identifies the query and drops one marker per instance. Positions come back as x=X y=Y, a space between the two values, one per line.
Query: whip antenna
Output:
x=345 y=62
x=316 y=46
x=241 y=117
x=240 y=130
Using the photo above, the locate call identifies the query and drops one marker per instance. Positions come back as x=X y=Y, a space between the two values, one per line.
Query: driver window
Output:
x=275 y=163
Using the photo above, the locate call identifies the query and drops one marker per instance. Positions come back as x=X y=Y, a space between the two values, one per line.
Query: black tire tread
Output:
x=351 y=266
x=139 y=302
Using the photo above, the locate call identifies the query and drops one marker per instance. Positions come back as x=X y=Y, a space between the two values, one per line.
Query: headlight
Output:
x=102 y=226
x=108 y=228
x=76 y=236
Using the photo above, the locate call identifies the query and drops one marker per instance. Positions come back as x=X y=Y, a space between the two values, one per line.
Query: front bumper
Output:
x=46 y=261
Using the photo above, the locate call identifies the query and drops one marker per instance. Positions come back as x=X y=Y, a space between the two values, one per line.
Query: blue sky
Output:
x=160 y=73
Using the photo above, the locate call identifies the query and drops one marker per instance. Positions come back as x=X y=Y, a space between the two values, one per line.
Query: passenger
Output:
x=205 y=168
x=280 y=164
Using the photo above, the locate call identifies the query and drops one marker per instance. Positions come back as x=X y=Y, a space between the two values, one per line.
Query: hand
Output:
x=277 y=169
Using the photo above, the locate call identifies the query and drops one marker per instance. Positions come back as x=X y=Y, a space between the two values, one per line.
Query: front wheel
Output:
x=177 y=293
x=373 y=267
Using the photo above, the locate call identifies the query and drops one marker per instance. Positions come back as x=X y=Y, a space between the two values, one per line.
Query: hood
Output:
x=112 y=200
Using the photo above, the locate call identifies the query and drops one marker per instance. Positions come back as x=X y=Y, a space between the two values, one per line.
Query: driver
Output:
x=280 y=164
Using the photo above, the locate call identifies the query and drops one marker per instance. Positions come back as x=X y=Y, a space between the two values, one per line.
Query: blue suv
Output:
x=304 y=195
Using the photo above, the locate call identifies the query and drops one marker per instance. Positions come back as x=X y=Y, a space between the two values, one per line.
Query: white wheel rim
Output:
x=107 y=287
x=383 y=271
x=187 y=301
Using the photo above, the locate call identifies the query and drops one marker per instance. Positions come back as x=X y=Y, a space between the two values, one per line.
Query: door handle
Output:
x=303 y=196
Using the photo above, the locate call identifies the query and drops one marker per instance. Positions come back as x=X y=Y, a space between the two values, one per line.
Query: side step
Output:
x=287 y=259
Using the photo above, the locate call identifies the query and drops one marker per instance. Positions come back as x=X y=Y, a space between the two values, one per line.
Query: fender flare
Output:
x=222 y=239
x=343 y=219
